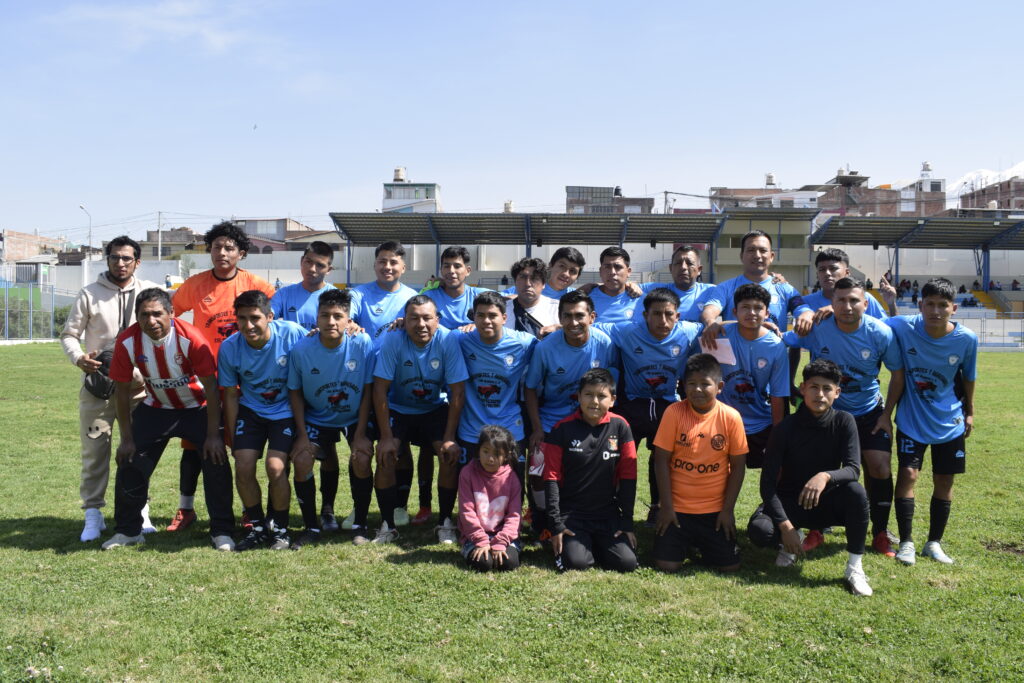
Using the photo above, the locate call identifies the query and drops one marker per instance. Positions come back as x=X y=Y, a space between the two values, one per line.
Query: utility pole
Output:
x=159 y=237
x=85 y=260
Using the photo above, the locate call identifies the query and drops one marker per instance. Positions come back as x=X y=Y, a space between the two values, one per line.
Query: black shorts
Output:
x=325 y=437
x=697 y=531
x=253 y=433
x=880 y=440
x=756 y=445
x=643 y=416
x=947 y=458
x=421 y=430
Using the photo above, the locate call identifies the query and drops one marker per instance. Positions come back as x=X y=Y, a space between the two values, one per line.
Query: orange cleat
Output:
x=813 y=540
x=183 y=519
x=423 y=516
x=882 y=545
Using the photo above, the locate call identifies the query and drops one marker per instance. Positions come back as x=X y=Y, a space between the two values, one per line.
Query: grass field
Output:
x=176 y=609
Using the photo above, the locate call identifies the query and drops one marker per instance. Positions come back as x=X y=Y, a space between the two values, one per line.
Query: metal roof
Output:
x=923 y=233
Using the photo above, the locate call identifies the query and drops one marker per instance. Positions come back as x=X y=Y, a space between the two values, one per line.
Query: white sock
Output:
x=186 y=502
x=855 y=561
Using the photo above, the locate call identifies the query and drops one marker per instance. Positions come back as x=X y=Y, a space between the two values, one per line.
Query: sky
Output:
x=203 y=110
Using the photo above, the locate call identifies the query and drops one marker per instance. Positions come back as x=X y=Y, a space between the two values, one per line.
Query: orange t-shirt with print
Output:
x=699 y=445
x=212 y=302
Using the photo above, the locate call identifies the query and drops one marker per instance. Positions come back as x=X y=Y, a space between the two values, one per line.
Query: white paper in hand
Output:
x=723 y=354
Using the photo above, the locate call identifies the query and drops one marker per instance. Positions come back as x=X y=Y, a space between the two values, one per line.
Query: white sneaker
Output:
x=121 y=540
x=857 y=581
x=223 y=543
x=94 y=524
x=447 y=533
x=933 y=550
x=907 y=553
x=349 y=521
x=147 y=523
x=401 y=517
x=385 y=534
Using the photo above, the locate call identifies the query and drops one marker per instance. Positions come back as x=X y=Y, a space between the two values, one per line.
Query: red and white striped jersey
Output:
x=171 y=370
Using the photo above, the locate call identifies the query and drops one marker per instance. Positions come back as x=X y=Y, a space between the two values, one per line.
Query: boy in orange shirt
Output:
x=699 y=458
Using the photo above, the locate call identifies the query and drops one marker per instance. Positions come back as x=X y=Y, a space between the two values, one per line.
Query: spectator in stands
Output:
x=1015 y=286
x=962 y=290
x=913 y=297
x=869 y=284
x=976 y=285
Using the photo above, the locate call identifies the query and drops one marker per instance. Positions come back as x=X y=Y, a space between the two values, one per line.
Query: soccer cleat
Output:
x=422 y=517
x=349 y=523
x=183 y=519
x=401 y=517
x=223 y=542
x=857 y=581
x=812 y=540
x=122 y=540
x=307 y=537
x=882 y=545
x=934 y=550
x=359 y=535
x=447 y=533
x=906 y=553
x=94 y=524
x=279 y=539
x=147 y=523
x=328 y=522
x=246 y=522
x=784 y=559
x=385 y=534
x=257 y=536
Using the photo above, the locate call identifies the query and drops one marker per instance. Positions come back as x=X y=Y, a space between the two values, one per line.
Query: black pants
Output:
x=510 y=563
x=152 y=428
x=595 y=542
x=844 y=505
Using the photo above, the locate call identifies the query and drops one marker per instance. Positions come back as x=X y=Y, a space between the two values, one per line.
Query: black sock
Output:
x=188 y=471
x=939 y=517
x=280 y=518
x=425 y=477
x=880 y=499
x=905 y=518
x=362 y=493
x=446 y=503
x=305 y=493
x=652 y=481
x=329 y=488
x=255 y=514
x=386 y=498
x=403 y=479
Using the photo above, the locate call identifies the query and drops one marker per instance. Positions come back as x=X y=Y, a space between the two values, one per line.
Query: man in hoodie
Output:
x=101 y=311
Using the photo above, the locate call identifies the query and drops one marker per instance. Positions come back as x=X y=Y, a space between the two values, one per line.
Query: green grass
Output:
x=176 y=609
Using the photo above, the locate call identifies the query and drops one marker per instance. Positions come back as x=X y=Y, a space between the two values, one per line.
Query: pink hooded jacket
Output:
x=490 y=506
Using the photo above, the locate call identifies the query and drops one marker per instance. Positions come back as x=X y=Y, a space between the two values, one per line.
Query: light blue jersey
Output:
x=298 y=305
x=261 y=374
x=929 y=411
x=616 y=309
x=557 y=367
x=548 y=291
x=374 y=308
x=495 y=371
x=761 y=372
x=858 y=354
x=691 y=301
x=332 y=380
x=419 y=376
x=458 y=311
x=816 y=300
x=651 y=367
x=785 y=299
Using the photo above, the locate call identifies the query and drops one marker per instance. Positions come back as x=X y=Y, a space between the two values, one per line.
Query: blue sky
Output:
x=299 y=108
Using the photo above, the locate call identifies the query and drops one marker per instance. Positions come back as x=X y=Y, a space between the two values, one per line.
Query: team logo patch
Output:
x=560 y=371
x=613 y=443
x=575 y=443
x=718 y=442
x=282 y=361
x=208 y=299
x=314 y=371
x=141 y=358
x=471 y=356
x=762 y=363
x=960 y=454
x=595 y=363
x=179 y=359
x=435 y=363
x=638 y=350
x=351 y=365
x=291 y=309
x=825 y=350
x=676 y=350
x=954 y=359
x=287 y=431
x=509 y=360
x=379 y=310
x=865 y=354
x=911 y=351
x=407 y=363
x=775 y=298
x=629 y=313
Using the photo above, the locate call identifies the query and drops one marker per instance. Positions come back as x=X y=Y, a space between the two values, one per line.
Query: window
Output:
x=764 y=203
x=268 y=228
x=786 y=203
x=936 y=186
x=268 y=249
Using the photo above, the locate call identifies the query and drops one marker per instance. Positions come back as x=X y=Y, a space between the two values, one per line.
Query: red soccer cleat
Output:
x=182 y=520
x=423 y=516
x=813 y=540
x=882 y=545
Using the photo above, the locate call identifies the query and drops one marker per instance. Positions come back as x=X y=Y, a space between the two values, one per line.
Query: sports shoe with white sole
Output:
x=279 y=539
x=907 y=553
x=385 y=534
x=257 y=537
x=857 y=581
x=359 y=535
x=328 y=522
x=447 y=533
x=307 y=537
x=223 y=543
x=934 y=550
x=147 y=523
x=401 y=517
x=122 y=540
x=94 y=524
x=349 y=522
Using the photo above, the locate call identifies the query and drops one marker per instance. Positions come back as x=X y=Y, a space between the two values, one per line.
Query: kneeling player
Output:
x=798 y=493
x=700 y=459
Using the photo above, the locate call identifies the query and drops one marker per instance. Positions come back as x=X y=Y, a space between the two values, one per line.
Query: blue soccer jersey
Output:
x=816 y=300
x=552 y=292
x=858 y=354
x=495 y=371
x=616 y=309
x=691 y=301
x=929 y=411
x=374 y=308
x=761 y=371
x=298 y=305
x=458 y=311
x=261 y=374
x=651 y=367
x=419 y=376
x=557 y=367
x=332 y=380
x=785 y=299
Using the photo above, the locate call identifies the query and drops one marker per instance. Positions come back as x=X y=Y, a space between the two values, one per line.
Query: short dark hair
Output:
x=848 y=283
x=336 y=297
x=574 y=297
x=320 y=249
x=419 y=300
x=394 y=247
x=456 y=252
x=702 y=364
x=751 y=291
x=752 y=234
x=661 y=295
x=500 y=439
x=570 y=254
x=154 y=294
x=489 y=298
x=614 y=253
x=832 y=254
x=939 y=286
x=253 y=298
x=540 y=269
x=232 y=231
x=684 y=248
x=598 y=377
x=824 y=368
x=123 y=241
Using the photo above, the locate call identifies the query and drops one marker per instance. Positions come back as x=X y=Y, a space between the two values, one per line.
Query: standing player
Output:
x=210 y=296
x=613 y=302
x=254 y=362
x=330 y=382
x=454 y=298
x=298 y=302
x=416 y=366
x=933 y=349
x=832 y=265
x=564 y=269
x=685 y=269
x=531 y=311
x=181 y=401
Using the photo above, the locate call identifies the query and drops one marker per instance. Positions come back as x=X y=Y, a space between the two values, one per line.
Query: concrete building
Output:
x=586 y=199
x=403 y=196
x=18 y=246
x=1008 y=194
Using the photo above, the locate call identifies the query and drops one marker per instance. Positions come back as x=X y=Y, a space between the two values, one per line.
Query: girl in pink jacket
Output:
x=490 y=504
